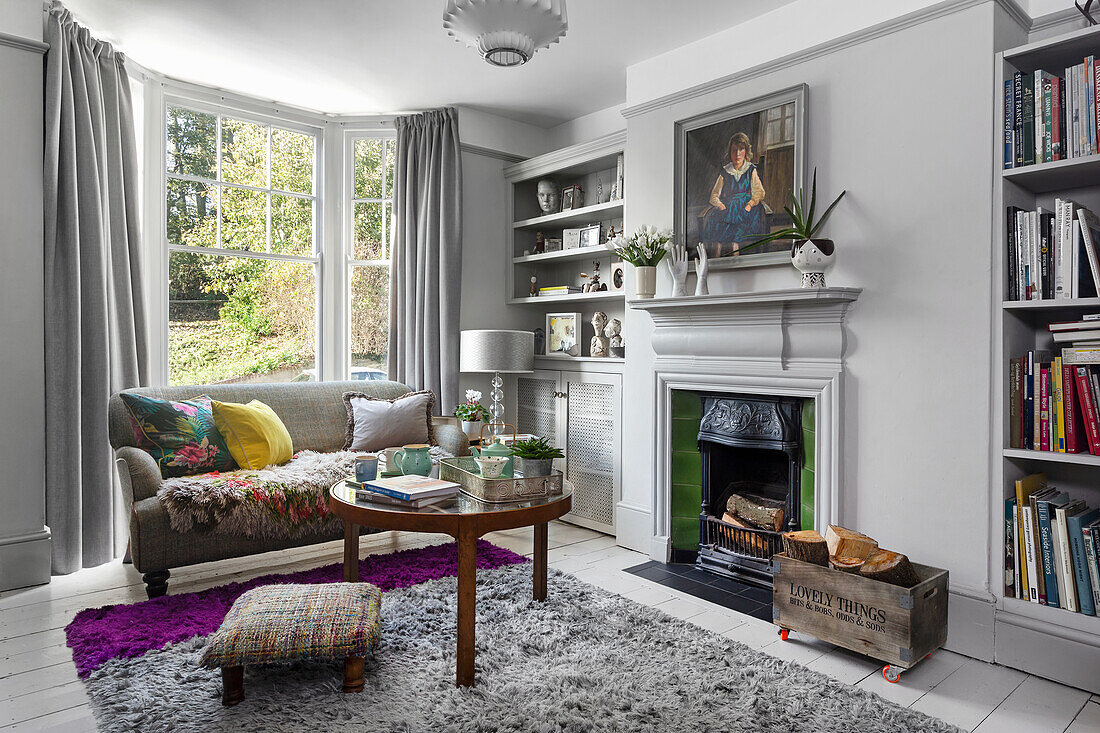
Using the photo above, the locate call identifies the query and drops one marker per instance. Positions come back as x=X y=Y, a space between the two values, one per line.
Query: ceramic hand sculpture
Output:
x=702 y=267
x=677 y=262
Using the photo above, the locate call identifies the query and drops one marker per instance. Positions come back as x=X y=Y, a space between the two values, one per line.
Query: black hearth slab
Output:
x=764 y=612
x=760 y=595
x=730 y=585
x=720 y=591
x=692 y=572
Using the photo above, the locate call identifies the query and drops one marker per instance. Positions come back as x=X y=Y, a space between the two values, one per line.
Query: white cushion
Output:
x=375 y=424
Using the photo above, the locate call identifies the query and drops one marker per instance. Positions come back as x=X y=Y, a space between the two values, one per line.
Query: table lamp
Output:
x=497 y=352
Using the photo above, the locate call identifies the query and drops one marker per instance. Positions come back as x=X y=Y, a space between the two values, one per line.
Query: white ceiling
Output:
x=379 y=56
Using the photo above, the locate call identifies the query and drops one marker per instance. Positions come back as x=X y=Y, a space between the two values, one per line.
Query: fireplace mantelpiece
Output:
x=779 y=342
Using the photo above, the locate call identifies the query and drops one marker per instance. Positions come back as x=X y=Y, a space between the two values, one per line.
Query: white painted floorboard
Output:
x=39 y=690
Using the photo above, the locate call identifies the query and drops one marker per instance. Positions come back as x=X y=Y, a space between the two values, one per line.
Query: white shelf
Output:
x=1056 y=304
x=1081 y=459
x=1047 y=614
x=580 y=253
x=1057 y=175
x=585 y=214
x=550 y=300
x=584 y=359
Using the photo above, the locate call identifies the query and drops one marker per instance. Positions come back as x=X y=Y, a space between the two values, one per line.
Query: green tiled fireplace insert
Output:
x=687 y=468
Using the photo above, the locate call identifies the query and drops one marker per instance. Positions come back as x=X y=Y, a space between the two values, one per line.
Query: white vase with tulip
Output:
x=472 y=414
x=644 y=249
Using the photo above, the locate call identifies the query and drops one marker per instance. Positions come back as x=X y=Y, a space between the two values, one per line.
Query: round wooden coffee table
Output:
x=465 y=519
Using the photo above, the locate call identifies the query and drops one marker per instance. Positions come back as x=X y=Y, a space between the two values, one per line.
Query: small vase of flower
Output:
x=644 y=249
x=472 y=414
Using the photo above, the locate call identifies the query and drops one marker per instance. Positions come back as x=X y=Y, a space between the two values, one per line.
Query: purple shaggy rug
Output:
x=97 y=635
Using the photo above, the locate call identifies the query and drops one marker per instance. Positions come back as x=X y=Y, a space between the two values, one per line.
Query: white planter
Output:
x=472 y=428
x=812 y=259
x=645 y=282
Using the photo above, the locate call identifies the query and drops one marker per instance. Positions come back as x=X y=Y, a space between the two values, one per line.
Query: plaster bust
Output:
x=598 y=346
x=548 y=196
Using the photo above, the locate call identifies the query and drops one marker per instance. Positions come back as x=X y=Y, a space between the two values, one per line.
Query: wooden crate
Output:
x=899 y=626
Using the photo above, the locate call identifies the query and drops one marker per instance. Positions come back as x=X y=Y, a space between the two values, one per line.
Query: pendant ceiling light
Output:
x=506 y=32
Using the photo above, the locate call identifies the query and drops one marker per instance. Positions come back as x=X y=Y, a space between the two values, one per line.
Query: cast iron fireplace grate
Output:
x=750 y=445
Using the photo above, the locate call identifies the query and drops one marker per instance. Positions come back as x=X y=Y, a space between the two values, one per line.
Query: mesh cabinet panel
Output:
x=537 y=407
x=590 y=451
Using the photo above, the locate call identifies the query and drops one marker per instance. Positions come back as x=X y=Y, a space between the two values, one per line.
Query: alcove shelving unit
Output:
x=1052 y=642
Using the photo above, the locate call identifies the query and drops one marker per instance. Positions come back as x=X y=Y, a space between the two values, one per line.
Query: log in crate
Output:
x=899 y=626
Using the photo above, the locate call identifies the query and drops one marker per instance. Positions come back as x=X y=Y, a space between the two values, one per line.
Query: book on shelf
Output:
x=1054 y=402
x=559 y=290
x=1052 y=114
x=1052 y=254
x=1051 y=544
x=1086 y=322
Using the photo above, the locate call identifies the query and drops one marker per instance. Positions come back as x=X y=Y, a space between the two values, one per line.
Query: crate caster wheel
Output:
x=784 y=633
x=891 y=673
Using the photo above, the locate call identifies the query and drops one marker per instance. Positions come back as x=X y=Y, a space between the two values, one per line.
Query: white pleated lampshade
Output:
x=507 y=352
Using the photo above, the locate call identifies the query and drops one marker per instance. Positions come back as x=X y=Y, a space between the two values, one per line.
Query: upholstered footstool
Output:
x=276 y=624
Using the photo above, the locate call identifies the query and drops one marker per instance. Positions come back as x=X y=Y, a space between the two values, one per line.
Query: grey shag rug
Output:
x=585 y=660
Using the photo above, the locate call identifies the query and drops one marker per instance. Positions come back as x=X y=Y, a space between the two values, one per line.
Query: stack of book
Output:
x=413 y=492
x=1054 y=401
x=1049 y=117
x=1052 y=254
x=559 y=290
x=1051 y=543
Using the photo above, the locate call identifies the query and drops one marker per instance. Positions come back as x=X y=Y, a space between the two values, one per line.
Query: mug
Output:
x=366 y=467
x=391 y=464
x=414 y=459
x=491 y=466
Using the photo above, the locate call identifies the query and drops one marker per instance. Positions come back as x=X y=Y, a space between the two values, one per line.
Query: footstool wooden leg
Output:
x=232 y=685
x=353 y=674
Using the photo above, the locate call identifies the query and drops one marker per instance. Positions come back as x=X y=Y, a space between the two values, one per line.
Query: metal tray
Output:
x=464 y=471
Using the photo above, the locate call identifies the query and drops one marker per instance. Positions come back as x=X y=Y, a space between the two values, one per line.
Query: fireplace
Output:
x=751 y=446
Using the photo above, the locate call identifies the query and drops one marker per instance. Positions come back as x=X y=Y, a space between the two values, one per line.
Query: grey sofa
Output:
x=314 y=415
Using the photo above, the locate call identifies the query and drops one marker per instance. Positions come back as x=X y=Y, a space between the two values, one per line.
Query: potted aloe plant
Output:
x=535 y=456
x=810 y=254
x=472 y=414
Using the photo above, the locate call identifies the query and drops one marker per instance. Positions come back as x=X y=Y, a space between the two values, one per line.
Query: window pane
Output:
x=390 y=149
x=368 y=232
x=291 y=225
x=233 y=319
x=192 y=143
x=291 y=161
x=244 y=219
x=369 y=157
x=192 y=208
x=244 y=152
x=370 y=323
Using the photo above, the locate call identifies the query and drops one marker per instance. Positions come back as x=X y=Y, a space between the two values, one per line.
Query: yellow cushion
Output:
x=254 y=433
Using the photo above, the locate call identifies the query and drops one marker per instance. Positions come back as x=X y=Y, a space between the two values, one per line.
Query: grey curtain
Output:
x=95 y=329
x=425 y=279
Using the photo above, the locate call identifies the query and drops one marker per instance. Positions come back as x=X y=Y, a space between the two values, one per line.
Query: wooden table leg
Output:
x=353 y=674
x=351 y=552
x=232 y=685
x=467 y=597
x=540 y=561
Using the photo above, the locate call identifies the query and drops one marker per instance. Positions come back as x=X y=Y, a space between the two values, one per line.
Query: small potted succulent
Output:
x=535 y=456
x=472 y=413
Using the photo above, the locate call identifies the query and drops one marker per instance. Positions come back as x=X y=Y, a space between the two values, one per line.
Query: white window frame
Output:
x=347 y=219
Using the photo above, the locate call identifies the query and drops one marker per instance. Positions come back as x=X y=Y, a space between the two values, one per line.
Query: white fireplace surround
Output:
x=778 y=342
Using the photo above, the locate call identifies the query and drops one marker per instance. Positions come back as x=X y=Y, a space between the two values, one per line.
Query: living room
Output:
x=507 y=365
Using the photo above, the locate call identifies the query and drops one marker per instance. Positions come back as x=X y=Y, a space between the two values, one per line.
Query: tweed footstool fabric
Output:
x=288 y=623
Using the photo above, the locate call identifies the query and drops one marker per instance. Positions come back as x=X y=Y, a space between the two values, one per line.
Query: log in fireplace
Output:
x=751 y=446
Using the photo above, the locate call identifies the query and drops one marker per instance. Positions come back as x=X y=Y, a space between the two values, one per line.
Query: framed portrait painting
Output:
x=735 y=170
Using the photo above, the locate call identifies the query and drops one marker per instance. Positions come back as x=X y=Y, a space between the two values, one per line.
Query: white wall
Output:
x=589 y=127
x=909 y=134
x=24 y=539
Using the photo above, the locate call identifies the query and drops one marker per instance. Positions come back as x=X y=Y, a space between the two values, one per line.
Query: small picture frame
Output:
x=571 y=238
x=590 y=236
x=553 y=244
x=572 y=197
x=563 y=334
x=618 y=275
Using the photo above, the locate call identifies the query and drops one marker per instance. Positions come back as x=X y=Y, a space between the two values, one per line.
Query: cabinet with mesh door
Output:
x=579 y=412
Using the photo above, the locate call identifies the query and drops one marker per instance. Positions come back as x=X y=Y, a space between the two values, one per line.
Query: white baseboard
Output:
x=660 y=549
x=633 y=527
x=1048 y=651
x=970 y=622
x=25 y=559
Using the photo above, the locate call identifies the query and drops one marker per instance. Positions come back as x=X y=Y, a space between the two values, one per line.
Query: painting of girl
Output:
x=736 y=168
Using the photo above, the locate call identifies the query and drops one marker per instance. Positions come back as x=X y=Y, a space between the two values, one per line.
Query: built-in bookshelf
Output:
x=1053 y=642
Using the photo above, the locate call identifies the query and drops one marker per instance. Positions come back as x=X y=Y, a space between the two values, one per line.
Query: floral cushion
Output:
x=289 y=623
x=181 y=436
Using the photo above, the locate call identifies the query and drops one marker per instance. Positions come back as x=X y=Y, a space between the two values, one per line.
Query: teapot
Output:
x=498 y=450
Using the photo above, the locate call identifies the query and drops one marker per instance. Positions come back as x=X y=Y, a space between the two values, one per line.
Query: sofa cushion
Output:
x=181 y=436
x=255 y=435
x=376 y=424
x=289 y=623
